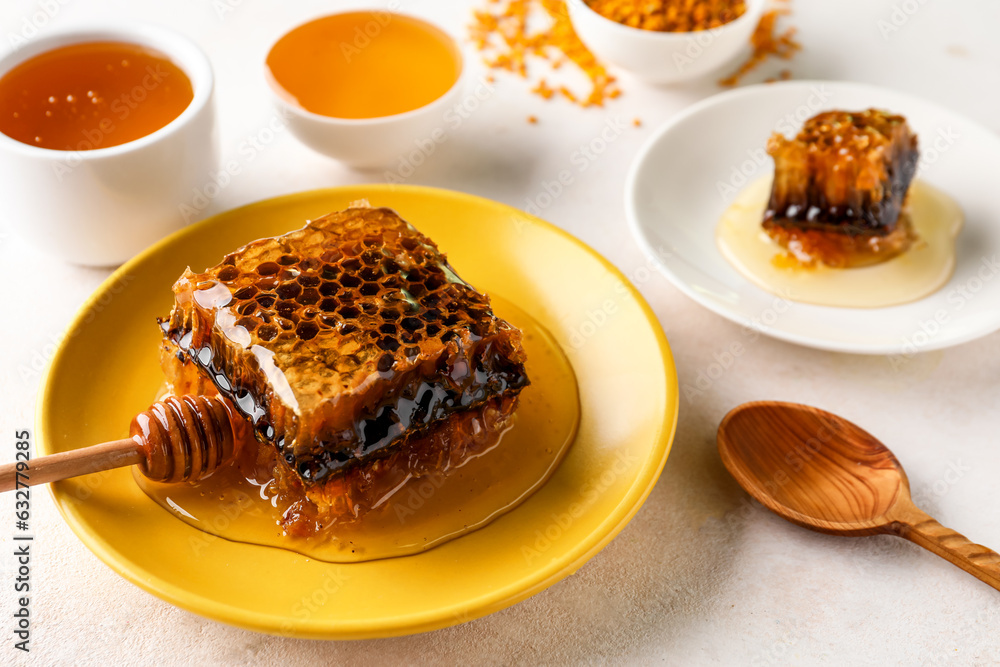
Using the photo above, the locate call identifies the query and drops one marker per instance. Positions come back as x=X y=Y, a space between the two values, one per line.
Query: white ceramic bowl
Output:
x=99 y=207
x=397 y=141
x=663 y=57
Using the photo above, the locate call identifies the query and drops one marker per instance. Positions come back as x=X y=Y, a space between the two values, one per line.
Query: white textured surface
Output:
x=700 y=575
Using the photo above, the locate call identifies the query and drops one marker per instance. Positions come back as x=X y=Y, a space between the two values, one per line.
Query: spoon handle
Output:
x=982 y=563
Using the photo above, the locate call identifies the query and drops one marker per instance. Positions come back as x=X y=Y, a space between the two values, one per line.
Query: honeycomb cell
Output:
x=244 y=293
x=268 y=268
x=247 y=323
x=288 y=290
x=370 y=289
x=307 y=330
x=328 y=305
x=309 y=296
x=328 y=288
x=388 y=343
x=288 y=260
x=411 y=324
x=308 y=280
x=267 y=332
x=385 y=363
x=265 y=300
x=267 y=284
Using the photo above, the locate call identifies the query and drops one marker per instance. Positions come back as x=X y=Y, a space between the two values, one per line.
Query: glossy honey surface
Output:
x=364 y=64
x=923 y=269
x=91 y=95
x=423 y=512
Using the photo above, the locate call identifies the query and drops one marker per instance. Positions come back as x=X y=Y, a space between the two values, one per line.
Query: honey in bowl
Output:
x=91 y=95
x=364 y=64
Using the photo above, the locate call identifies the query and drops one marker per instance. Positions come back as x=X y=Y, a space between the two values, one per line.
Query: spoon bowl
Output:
x=822 y=472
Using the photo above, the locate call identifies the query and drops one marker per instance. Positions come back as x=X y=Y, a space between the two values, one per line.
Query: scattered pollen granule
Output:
x=766 y=42
x=501 y=31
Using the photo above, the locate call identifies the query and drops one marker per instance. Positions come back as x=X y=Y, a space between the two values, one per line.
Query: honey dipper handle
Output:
x=108 y=455
x=977 y=560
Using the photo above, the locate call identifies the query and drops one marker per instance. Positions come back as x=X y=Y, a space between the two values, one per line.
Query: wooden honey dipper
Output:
x=175 y=440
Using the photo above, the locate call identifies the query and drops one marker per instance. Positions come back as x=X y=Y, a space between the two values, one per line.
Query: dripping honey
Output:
x=364 y=64
x=91 y=95
x=423 y=512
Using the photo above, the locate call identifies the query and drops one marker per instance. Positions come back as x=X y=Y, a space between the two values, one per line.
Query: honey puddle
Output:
x=422 y=512
x=918 y=272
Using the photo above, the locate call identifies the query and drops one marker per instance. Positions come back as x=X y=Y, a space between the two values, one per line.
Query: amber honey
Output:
x=422 y=512
x=91 y=95
x=364 y=64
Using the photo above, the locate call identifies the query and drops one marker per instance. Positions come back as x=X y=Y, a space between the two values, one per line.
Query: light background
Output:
x=700 y=575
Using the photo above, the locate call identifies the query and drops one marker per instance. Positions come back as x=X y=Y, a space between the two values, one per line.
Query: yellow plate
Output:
x=106 y=370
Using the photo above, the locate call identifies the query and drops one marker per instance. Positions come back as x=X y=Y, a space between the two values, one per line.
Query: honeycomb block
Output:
x=845 y=172
x=344 y=343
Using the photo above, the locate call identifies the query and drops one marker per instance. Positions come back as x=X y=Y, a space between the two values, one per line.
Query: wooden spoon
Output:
x=822 y=472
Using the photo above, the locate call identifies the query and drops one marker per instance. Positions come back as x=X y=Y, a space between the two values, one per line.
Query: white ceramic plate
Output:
x=690 y=171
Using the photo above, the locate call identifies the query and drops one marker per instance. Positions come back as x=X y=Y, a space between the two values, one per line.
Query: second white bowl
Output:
x=663 y=57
